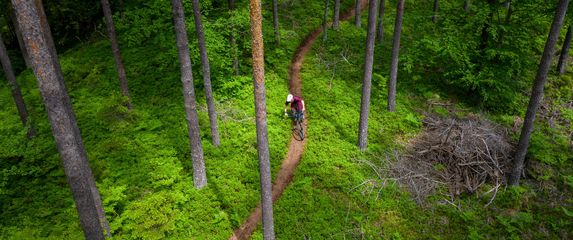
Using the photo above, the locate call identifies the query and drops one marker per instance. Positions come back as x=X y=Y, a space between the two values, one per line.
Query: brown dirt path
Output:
x=296 y=148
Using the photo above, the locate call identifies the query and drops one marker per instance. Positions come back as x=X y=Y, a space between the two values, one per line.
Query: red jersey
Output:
x=296 y=104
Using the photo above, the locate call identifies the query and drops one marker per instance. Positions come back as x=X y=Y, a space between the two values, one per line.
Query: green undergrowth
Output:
x=141 y=159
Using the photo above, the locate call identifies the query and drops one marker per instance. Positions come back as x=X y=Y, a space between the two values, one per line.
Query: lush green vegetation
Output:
x=141 y=159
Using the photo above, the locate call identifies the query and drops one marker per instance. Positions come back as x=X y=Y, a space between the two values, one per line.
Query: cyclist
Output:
x=296 y=106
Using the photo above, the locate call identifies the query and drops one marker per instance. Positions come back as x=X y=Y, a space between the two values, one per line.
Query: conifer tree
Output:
x=395 y=56
x=206 y=74
x=199 y=175
x=261 y=120
x=116 y=53
x=367 y=79
x=62 y=119
x=537 y=92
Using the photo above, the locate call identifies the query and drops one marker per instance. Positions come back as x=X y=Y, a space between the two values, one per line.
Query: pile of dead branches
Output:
x=462 y=154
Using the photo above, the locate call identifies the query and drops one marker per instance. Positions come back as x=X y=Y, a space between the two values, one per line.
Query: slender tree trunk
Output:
x=395 y=56
x=199 y=175
x=537 y=92
x=357 y=19
x=261 y=120
x=336 y=18
x=276 y=22
x=467 y=4
x=380 y=35
x=233 y=44
x=52 y=51
x=367 y=80
x=206 y=74
x=561 y=66
x=436 y=7
x=14 y=87
x=115 y=49
x=19 y=38
x=62 y=119
x=325 y=22
x=506 y=22
x=122 y=9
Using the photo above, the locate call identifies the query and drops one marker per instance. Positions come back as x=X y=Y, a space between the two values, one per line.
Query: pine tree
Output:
x=336 y=17
x=116 y=53
x=367 y=80
x=261 y=120
x=380 y=34
x=206 y=74
x=14 y=87
x=66 y=133
x=537 y=92
x=276 y=22
x=395 y=55
x=358 y=8
x=199 y=175
x=561 y=66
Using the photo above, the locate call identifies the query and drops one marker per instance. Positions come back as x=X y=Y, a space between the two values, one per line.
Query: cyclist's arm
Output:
x=286 y=105
x=303 y=107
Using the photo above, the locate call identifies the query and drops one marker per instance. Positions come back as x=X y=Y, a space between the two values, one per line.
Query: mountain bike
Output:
x=298 y=128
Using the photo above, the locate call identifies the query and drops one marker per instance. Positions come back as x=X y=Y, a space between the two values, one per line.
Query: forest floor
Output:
x=296 y=147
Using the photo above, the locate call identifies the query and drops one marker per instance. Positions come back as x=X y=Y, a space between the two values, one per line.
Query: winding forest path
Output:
x=296 y=148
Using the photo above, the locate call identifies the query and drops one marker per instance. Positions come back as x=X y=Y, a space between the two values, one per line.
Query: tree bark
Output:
x=336 y=18
x=467 y=4
x=367 y=79
x=206 y=74
x=325 y=22
x=380 y=35
x=233 y=43
x=261 y=120
x=276 y=22
x=62 y=119
x=436 y=6
x=537 y=93
x=395 y=56
x=115 y=49
x=14 y=87
x=561 y=66
x=357 y=19
x=19 y=38
x=199 y=175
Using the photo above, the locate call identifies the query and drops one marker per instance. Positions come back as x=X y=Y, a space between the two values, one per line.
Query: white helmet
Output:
x=289 y=98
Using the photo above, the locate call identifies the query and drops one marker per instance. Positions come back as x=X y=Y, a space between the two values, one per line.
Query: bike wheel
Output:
x=298 y=131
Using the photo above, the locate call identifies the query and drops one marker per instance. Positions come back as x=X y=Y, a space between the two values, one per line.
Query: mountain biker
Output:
x=296 y=106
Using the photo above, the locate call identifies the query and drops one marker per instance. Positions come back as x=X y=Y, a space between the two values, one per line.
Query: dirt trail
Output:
x=296 y=148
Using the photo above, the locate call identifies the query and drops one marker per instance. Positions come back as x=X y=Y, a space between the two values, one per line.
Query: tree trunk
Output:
x=276 y=22
x=122 y=9
x=14 y=87
x=325 y=22
x=467 y=5
x=206 y=74
x=395 y=56
x=115 y=50
x=367 y=80
x=357 y=19
x=561 y=66
x=233 y=44
x=62 y=119
x=381 y=22
x=336 y=18
x=261 y=120
x=19 y=38
x=506 y=22
x=537 y=92
x=199 y=175
x=436 y=6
